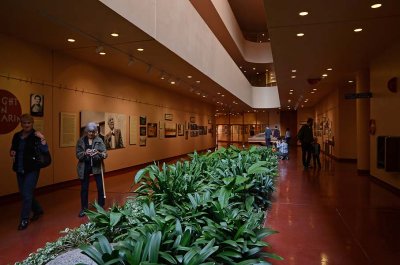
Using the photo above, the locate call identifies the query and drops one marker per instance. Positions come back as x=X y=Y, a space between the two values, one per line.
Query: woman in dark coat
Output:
x=23 y=152
x=90 y=151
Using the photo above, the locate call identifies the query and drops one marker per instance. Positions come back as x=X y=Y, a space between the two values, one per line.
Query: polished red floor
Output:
x=327 y=216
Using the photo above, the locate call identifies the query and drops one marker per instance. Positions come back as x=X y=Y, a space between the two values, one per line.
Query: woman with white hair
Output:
x=90 y=151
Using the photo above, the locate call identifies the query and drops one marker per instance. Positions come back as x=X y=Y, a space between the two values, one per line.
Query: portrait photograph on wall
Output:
x=142 y=131
x=115 y=130
x=170 y=129
x=142 y=120
x=37 y=105
x=152 y=130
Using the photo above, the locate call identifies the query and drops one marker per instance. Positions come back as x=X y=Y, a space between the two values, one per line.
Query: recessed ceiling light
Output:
x=71 y=40
x=172 y=82
x=300 y=34
x=312 y=92
x=244 y=71
x=198 y=81
x=376 y=5
x=140 y=49
x=102 y=53
x=314 y=89
x=358 y=30
x=189 y=76
x=114 y=34
x=290 y=93
x=254 y=68
x=294 y=71
x=291 y=90
x=329 y=69
x=222 y=95
x=289 y=100
x=204 y=96
x=218 y=93
x=350 y=81
x=293 y=76
x=303 y=13
x=325 y=75
x=240 y=67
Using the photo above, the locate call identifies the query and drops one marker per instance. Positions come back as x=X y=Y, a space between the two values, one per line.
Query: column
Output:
x=363 y=116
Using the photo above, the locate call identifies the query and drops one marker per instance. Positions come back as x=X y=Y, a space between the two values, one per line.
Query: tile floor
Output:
x=324 y=216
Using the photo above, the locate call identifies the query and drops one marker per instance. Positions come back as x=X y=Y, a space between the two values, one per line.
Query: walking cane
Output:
x=102 y=178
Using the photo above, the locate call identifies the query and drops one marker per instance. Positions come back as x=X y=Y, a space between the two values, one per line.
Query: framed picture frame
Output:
x=37 y=105
x=151 y=130
x=168 y=117
x=142 y=120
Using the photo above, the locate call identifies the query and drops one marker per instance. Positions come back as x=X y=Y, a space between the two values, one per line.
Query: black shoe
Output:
x=36 y=216
x=23 y=225
x=82 y=213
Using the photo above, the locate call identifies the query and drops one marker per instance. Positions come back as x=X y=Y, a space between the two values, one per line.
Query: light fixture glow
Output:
x=114 y=34
x=325 y=75
x=172 y=82
x=189 y=76
x=358 y=30
x=376 y=5
x=198 y=81
x=102 y=53
x=300 y=34
x=329 y=69
x=293 y=76
x=350 y=81
x=71 y=40
x=140 y=49
x=303 y=13
x=294 y=71
x=314 y=89
x=291 y=90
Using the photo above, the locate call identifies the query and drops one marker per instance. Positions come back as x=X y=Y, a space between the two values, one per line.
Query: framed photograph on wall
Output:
x=115 y=130
x=170 y=129
x=152 y=130
x=142 y=141
x=37 y=105
x=142 y=120
x=142 y=131
x=181 y=129
x=168 y=117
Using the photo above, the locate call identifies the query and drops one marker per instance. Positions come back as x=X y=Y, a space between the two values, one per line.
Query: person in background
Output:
x=305 y=136
x=276 y=132
x=90 y=151
x=113 y=138
x=288 y=135
x=316 y=147
x=23 y=153
x=283 y=150
x=268 y=134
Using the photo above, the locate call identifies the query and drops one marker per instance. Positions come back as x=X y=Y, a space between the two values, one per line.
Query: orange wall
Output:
x=82 y=86
x=385 y=106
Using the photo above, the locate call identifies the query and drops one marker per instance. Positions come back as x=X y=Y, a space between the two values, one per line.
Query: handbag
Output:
x=43 y=159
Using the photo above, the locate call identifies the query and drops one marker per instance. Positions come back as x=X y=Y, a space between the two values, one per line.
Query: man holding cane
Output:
x=90 y=151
